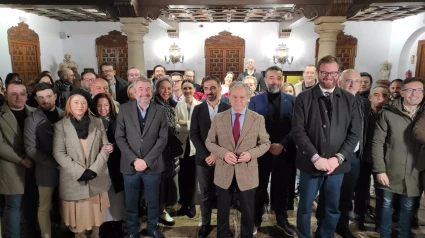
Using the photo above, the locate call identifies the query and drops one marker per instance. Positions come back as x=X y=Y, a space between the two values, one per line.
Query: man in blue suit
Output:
x=277 y=108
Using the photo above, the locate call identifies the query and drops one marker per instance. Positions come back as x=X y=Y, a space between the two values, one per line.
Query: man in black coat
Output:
x=250 y=70
x=116 y=84
x=141 y=135
x=325 y=128
x=200 y=124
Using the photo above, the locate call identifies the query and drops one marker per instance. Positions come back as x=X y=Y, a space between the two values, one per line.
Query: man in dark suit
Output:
x=276 y=107
x=200 y=124
x=324 y=148
x=116 y=84
x=141 y=135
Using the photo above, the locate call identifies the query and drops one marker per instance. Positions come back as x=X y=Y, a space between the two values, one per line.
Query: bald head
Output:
x=67 y=75
x=349 y=80
x=250 y=64
x=99 y=85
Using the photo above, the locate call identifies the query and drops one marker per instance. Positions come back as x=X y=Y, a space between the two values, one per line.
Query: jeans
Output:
x=309 y=186
x=406 y=212
x=12 y=215
x=132 y=189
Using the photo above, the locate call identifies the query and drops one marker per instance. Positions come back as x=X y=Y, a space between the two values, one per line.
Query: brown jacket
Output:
x=419 y=133
x=253 y=139
x=68 y=153
x=12 y=173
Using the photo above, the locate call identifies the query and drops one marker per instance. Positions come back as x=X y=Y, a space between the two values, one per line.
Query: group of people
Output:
x=113 y=147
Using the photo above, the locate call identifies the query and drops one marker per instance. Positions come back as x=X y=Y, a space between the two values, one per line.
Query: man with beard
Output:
x=200 y=124
x=38 y=139
x=190 y=75
x=395 y=89
x=309 y=79
x=276 y=107
x=141 y=135
x=158 y=72
x=324 y=148
x=366 y=84
x=116 y=84
x=64 y=87
x=251 y=71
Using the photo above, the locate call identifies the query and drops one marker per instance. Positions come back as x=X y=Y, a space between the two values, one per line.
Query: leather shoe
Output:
x=191 y=212
x=204 y=231
x=156 y=234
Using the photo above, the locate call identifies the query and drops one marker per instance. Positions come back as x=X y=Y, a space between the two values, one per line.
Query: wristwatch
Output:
x=340 y=158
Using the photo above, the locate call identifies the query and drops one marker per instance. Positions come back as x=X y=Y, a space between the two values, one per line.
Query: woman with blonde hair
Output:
x=81 y=148
x=288 y=88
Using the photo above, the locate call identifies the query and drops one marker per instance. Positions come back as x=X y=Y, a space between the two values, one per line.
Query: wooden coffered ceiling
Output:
x=218 y=10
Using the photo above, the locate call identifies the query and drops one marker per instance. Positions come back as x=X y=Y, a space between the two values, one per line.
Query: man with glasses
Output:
x=64 y=87
x=324 y=148
x=116 y=84
x=87 y=78
x=177 y=87
x=395 y=154
x=190 y=75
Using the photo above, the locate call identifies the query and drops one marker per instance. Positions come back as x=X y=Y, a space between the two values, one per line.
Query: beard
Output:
x=47 y=106
x=273 y=88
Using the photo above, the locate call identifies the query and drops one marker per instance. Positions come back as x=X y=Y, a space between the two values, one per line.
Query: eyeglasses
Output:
x=352 y=81
x=326 y=74
x=411 y=90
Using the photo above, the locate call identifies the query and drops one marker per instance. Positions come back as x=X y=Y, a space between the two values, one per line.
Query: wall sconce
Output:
x=175 y=56
x=281 y=55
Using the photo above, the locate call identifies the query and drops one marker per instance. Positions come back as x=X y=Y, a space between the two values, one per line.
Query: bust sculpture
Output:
x=68 y=63
x=385 y=70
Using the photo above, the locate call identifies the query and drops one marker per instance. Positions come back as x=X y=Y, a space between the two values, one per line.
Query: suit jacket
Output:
x=134 y=144
x=261 y=84
x=68 y=152
x=199 y=127
x=38 y=139
x=120 y=86
x=260 y=105
x=314 y=133
x=253 y=139
x=183 y=131
x=12 y=173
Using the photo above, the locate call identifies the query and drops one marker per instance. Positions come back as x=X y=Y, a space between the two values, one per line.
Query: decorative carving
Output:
x=308 y=11
x=22 y=32
x=356 y=8
x=338 y=7
x=225 y=38
x=345 y=40
x=151 y=12
x=113 y=39
x=68 y=63
x=127 y=8
x=345 y=50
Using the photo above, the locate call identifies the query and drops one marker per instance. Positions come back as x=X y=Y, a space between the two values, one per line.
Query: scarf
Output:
x=82 y=126
x=171 y=114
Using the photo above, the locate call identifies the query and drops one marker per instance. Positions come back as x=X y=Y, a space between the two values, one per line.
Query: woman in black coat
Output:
x=104 y=108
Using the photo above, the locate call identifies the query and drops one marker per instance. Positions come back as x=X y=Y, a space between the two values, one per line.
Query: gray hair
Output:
x=250 y=77
x=380 y=86
x=239 y=84
x=133 y=68
x=162 y=79
x=142 y=79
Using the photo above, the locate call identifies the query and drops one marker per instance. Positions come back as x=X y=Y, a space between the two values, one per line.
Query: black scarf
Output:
x=82 y=126
x=169 y=106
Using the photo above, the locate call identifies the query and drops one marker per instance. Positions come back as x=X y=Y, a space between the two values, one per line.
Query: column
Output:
x=328 y=28
x=135 y=28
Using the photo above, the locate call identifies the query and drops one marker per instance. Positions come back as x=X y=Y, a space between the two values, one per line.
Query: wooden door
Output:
x=345 y=51
x=24 y=49
x=420 y=60
x=223 y=53
x=113 y=48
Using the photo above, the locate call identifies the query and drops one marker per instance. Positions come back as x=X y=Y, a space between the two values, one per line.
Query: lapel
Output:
x=206 y=113
x=151 y=116
x=10 y=119
x=283 y=101
x=43 y=124
x=194 y=104
x=92 y=134
x=183 y=110
x=134 y=114
x=264 y=102
x=227 y=123
x=247 y=124
x=72 y=136
x=222 y=107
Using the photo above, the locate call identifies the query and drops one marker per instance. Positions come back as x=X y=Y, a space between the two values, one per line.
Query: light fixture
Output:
x=175 y=56
x=281 y=55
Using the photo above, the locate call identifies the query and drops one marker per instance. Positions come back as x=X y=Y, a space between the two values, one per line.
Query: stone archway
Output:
x=223 y=53
x=404 y=62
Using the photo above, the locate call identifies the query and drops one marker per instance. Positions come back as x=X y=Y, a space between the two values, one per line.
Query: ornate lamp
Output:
x=175 y=56
x=281 y=55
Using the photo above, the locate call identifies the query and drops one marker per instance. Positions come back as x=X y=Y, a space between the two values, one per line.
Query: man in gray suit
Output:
x=13 y=160
x=38 y=141
x=141 y=135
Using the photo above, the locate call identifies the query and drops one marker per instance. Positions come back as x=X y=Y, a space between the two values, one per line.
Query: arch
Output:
x=404 y=54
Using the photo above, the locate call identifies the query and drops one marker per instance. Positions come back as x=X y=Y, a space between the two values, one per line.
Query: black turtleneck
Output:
x=274 y=105
x=20 y=116
x=53 y=116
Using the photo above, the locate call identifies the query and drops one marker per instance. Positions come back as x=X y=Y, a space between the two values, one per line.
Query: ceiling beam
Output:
x=229 y=3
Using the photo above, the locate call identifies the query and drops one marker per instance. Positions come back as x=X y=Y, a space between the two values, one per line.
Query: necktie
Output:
x=328 y=102
x=236 y=128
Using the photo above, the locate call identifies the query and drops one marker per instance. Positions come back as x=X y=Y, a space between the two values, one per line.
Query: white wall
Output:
x=413 y=51
x=51 y=53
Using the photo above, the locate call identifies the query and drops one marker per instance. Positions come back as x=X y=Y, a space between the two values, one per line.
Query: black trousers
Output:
x=206 y=184
x=30 y=204
x=283 y=173
x=187 y=181
x=246 y=198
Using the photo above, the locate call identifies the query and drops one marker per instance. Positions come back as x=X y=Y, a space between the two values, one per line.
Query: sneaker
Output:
x=166 y=219
x=286 y=228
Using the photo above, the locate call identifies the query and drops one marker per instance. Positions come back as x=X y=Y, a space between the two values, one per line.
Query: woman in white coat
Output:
x=187 y=174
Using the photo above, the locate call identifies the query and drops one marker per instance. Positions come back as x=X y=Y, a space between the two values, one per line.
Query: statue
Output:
x=68 y=63
x=385 y=70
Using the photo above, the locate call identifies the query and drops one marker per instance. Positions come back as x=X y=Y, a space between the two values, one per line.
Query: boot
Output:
x=95 y=232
